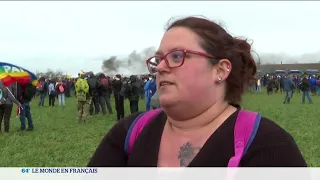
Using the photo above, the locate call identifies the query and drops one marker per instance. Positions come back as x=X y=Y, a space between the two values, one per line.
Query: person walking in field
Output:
x=83 y=98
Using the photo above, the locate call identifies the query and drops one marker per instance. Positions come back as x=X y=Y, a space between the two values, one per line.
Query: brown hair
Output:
x=217 y=42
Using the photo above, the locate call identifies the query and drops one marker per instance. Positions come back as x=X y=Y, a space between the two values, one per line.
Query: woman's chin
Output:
x=167 y=99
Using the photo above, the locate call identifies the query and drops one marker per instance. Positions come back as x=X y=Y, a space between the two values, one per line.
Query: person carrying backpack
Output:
x=104 y=93
x=133 y=93
x=60 y=88
x=201 y=122
x=6 y=104
x=83 y=98
x=25 y=94
x=94 y=93
x=52 y=93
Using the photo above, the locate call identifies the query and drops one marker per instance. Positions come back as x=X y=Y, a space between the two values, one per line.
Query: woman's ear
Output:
x=223 y=69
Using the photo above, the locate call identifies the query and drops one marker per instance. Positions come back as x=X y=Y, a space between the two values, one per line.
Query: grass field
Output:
x=59 y=141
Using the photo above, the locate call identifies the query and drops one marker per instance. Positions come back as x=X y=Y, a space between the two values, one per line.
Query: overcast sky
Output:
x=78 y=35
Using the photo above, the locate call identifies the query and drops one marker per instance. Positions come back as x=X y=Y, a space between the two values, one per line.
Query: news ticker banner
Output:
x=76 y=173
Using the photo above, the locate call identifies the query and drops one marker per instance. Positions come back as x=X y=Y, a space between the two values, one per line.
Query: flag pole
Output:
x=13 y=95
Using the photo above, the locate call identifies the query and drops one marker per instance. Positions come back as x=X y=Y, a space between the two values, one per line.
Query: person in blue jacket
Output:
x=150 y=88
x=313 y=84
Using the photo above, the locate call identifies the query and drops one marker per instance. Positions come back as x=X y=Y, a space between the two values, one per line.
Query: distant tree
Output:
x=51 y=74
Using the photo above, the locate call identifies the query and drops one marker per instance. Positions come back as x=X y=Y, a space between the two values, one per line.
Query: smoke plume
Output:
x=135 y=63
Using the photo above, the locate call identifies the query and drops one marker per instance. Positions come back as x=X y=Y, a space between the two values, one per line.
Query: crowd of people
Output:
x=92 y=92
x=289 y=84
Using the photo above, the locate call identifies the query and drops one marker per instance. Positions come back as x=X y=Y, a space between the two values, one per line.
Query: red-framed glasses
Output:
x=173 y=59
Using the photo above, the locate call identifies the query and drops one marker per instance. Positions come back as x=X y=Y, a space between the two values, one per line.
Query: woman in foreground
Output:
x=202 y=71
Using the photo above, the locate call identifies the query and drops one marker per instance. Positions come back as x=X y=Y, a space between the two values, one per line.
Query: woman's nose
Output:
x=162 y=67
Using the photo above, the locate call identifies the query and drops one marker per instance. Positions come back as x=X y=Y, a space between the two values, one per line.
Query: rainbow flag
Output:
x=10 y=74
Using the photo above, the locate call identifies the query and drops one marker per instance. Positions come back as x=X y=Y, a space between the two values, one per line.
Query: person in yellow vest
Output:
x=83 y=98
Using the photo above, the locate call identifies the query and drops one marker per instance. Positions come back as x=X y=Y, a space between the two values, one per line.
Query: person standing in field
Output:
x=259 y=85
x=93 y=82
x=104 y=93
x=6 y=104
x=42 y=89
x=305 y=88
x=52 y=93
x=151 y=88
x=201 y=73
x=133 y=93
x=60 y=88
x=118 y=92
x=83 y=98
x=25 y=93
x=313 y=84
x=288 y=86
x=318 y=86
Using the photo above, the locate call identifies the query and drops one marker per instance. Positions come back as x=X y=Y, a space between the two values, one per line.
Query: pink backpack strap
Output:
x=137 y=126
x=246 y=127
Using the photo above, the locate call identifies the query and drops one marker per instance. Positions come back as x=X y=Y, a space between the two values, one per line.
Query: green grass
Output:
x=58 y=140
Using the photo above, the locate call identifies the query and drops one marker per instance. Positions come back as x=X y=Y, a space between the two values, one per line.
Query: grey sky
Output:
x=78 y=35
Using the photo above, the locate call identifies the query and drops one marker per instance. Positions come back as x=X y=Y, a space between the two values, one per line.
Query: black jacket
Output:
x=305 y=85
x=94 y=84
x=133 y=89
x=25 y=93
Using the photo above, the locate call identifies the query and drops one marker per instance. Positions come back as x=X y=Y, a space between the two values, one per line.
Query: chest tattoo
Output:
x=186 y=153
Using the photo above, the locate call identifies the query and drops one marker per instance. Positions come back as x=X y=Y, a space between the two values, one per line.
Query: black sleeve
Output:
x=276 y=148
x=19 y=92
x=110 y=152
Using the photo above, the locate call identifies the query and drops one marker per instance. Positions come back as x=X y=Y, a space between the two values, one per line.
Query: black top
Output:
x=305 y=85
x=272 y=146
x=116 y=85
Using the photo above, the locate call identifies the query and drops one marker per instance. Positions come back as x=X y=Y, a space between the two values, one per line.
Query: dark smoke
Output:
x=135 y=63
x=111 y=64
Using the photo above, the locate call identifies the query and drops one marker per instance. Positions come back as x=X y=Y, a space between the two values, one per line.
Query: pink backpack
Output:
x=247 y=124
